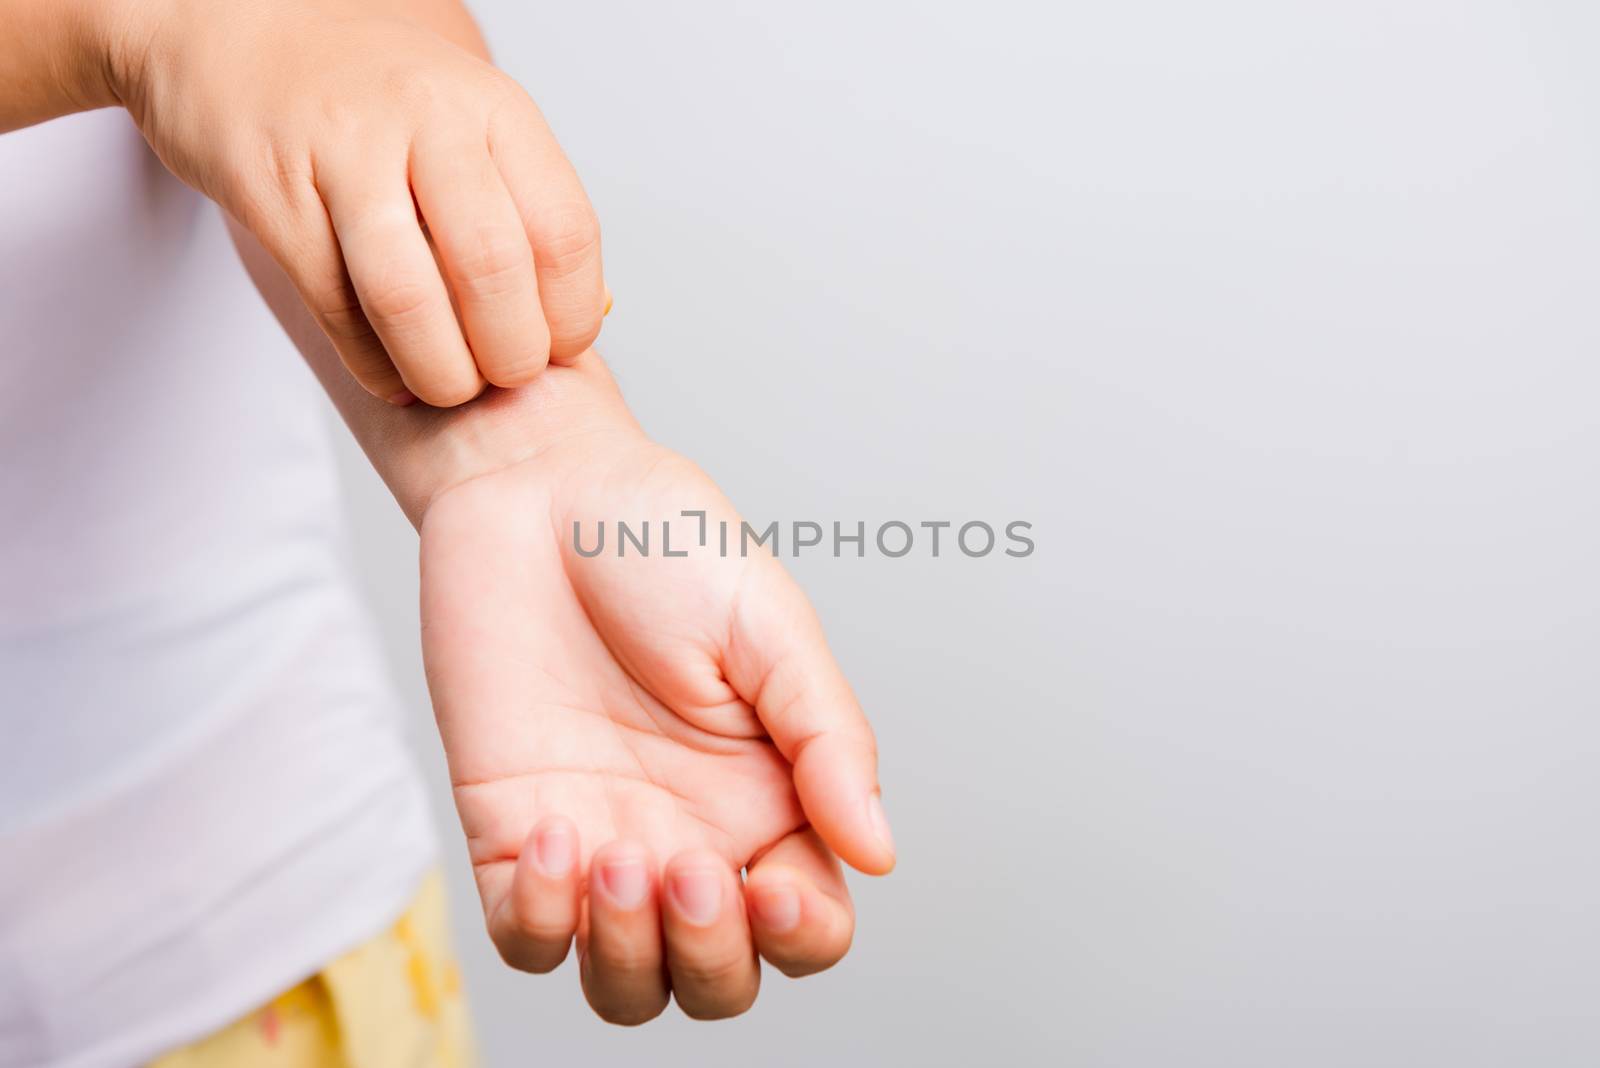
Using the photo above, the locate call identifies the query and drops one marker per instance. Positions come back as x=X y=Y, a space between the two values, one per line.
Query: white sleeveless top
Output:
x=204 y=789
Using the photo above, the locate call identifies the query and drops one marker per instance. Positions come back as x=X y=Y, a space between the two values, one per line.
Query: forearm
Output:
x=58 y=57
x=54 y=59
x=420 y=452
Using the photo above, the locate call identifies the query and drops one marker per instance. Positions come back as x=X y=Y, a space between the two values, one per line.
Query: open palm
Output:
x=627 y=732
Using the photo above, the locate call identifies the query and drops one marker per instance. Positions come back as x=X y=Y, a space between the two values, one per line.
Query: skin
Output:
x=656 y=758
x=413 y=193
x=652 y=725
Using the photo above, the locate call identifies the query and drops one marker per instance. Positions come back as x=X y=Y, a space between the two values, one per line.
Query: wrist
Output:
x=109 y=41
x=54 y=61
x=423 y=453
x=426 y=452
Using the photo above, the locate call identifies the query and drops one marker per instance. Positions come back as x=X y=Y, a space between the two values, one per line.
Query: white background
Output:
x=1278 y=321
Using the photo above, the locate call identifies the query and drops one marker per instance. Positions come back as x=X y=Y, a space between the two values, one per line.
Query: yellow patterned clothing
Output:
x=392 y=1002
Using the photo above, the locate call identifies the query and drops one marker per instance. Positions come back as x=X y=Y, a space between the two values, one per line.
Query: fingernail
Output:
x=403 y=399
x=608 y=303
x=555 y=852
x=697 y=892
x=777 y=907
x=880 y=821
x=625 y=882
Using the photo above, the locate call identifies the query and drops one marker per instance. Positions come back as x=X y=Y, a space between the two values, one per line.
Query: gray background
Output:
x=1278 y=321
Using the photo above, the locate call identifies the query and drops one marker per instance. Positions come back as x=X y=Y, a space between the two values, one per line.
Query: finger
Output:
x=778 y=660
x=709 y=952
x=621 y=969
x=799 y=906
x=534 y=922
x=560 y=223
x=486 y=258
x=397 y=280
x=300 y=237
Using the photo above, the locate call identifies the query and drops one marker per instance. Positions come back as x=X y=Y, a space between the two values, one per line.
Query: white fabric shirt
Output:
x=204 y=789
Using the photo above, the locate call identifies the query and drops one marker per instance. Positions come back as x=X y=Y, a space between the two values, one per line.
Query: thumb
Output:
x=778 y=661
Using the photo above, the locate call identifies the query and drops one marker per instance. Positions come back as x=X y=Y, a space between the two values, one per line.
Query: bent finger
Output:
x=621 y=959
x=486 y=257
x=800 y=911
x=397 y=281
x=534 y=922
x=709 y=950
x=561 y=226
x=778 y=660
x=301 y=239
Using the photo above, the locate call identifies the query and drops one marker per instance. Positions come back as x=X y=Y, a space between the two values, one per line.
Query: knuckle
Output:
x=572 y=334
x=340 y=313
x=722 y=972
x=412 y=88
x=398 y=302
x=531 y=929
x=518 y=371
x=511 y=111
x=624 y=960
x=495 y=264
x=566 y=239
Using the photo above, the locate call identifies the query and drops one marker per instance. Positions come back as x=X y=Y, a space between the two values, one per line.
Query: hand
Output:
x=413 y=193
x=626 y=735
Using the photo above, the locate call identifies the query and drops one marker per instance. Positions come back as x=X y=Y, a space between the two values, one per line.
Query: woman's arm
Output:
x=59 y=57
x=54 y=60
x=412 y=193
x=668 y=735
x=420 y=452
